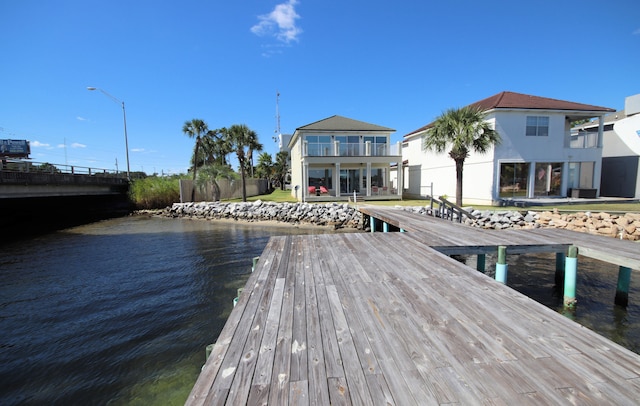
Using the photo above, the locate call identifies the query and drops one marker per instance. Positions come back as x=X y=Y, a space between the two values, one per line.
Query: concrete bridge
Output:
x=43 y=197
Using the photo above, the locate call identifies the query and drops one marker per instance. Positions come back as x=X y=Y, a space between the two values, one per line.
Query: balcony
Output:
x=582 y=139
x=346 y=149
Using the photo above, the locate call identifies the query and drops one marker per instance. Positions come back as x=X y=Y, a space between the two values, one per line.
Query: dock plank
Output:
x=384 y=318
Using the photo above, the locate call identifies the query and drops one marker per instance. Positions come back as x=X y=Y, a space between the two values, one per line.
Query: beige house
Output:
x=338 y=157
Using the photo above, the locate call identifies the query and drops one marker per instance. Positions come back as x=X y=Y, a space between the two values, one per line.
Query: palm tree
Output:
x=463 y=130
x=243 y=140
x=264 y=169
x=281 y=168
x=195 y=129
x=216 y=146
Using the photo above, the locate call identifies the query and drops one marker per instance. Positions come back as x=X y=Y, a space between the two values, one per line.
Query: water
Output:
x=534 y=276
x=120 y=312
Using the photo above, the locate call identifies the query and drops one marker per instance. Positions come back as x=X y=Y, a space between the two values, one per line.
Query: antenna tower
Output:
x=277 y=131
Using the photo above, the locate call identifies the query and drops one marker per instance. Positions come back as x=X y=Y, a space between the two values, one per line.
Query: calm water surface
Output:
x=120 y=312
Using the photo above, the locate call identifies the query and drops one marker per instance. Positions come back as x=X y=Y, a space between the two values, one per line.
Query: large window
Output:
x=581 y=175
x=548 y=178
x=350 y=181
x=321 y=178
x=349 y=145
x=537 y=126
x=319 y=145
x=378 y=145
x=513 y=179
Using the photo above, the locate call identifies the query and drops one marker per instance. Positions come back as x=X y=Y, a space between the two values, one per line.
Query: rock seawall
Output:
x=331 y=214
x=341 y=215
x=623 y=226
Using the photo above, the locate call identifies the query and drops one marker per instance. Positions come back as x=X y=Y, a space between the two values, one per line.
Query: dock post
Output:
x=622 y=290
x=372 y=224
x=255 y=263
x=208 y=350
x=570 y=276
x=560 y=260
x=385 y=227
x=480 y=262
x=501 y=265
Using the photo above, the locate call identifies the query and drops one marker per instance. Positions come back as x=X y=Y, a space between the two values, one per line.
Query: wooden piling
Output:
x=501 y=265
x=570 y=277
x=560 y=259
x=480 y=262
x=622 y=290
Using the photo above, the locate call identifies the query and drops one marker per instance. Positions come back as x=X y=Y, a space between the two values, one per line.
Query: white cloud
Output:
x=280 y=23
x=637 y=32
x=81 y=118
x=78 y=145
x=38 y=144
x=137 y=149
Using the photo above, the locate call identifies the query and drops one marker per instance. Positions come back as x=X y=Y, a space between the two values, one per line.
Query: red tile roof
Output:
x=512 y=100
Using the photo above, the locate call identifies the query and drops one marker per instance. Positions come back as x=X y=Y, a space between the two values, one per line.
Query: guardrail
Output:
x=23 y=166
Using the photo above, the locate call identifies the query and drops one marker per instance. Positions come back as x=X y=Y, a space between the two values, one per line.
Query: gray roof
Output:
x=342 y=124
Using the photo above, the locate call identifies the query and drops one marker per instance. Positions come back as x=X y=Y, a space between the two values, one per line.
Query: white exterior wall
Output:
x=296 y=170
x=481 y=172
x=428 y=168
x=624 y=140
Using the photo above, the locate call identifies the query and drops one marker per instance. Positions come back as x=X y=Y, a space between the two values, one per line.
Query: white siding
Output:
x=481 y=172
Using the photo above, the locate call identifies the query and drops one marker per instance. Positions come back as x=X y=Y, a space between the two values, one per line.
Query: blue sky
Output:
x=394 y=64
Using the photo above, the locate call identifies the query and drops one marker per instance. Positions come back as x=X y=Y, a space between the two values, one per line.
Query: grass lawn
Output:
x=285 y=196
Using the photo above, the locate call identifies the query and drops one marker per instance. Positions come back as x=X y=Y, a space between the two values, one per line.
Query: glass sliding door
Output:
x=350 y=181
x=513 y=180
x=320 y=178
x=581 y=175
x=548 y=178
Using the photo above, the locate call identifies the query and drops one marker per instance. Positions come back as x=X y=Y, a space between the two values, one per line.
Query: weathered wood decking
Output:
x=381 y=318
x=453 y=238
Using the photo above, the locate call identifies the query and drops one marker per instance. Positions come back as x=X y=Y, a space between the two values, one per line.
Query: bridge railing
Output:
x=24 y=166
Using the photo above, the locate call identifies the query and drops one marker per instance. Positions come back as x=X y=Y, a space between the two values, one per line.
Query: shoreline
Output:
x=330 y=216
x=342 y=216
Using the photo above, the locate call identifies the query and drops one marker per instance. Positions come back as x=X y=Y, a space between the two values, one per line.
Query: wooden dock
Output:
x=382 y=318
x=453 y=238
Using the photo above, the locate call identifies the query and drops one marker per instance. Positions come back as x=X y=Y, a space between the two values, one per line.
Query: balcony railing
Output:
x=337 y=148
x=583 y=139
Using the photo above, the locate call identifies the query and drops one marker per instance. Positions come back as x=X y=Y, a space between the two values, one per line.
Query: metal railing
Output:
x=447 y=210
x=24 y=166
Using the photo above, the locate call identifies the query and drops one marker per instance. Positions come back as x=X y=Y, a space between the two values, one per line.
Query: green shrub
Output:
x=155 y=192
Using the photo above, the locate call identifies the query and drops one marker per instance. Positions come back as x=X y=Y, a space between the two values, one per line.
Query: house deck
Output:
x=381 y=318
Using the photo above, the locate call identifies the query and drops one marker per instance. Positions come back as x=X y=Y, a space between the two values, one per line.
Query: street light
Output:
x=124 y=115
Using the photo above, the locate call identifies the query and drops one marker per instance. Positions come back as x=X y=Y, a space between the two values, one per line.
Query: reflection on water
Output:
x=120 y=312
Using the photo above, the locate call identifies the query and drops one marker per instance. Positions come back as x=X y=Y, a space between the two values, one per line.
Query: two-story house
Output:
x=335 y=158
x=537 y=157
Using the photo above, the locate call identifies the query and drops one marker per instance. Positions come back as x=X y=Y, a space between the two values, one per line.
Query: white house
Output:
x=620 y=150
x=538 y=155
x=334 y=158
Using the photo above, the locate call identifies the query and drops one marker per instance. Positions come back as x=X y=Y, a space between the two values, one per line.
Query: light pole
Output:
x=124 y=115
